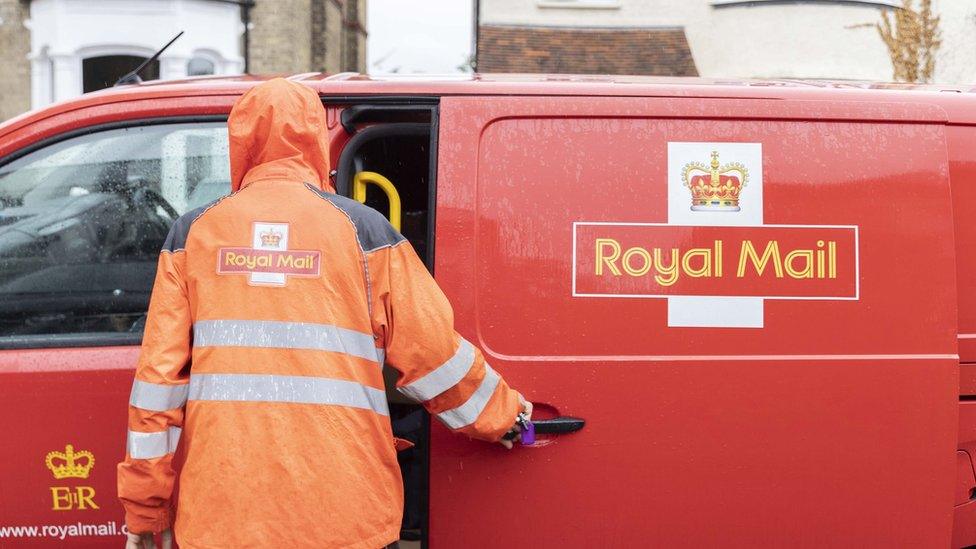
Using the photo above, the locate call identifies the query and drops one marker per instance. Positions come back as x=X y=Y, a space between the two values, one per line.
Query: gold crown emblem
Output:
x=270 y=238
x=715 y=188
x=70 y=463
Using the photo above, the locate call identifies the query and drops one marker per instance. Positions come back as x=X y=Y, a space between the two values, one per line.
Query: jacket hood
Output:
x=278 y=130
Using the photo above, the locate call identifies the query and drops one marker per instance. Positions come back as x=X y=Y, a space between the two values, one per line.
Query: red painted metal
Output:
x=956 y=101
x=964 y=513
x=685 y=446
x=965 y=478
x=53 y=398
x=961 y=141
x=836 y=424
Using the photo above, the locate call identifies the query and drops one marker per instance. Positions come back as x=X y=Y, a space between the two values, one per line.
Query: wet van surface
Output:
x=759 y=297
x=766 y=373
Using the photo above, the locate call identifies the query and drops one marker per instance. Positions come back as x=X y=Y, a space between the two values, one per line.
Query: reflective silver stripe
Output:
x=468 y=413
x=381 y=356
x=283 y=335
x=294 y=389
x=157 y=397
x=152 y=445
x=443 y=377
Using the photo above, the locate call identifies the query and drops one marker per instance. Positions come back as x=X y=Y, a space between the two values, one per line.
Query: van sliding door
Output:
x=750 y=302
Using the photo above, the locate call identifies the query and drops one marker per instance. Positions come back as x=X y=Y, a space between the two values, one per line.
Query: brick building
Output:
x=51 y=50
x=14 y=65
x=307 y=35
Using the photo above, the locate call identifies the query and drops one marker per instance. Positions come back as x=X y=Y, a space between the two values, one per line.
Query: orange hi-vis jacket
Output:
x=272 y=314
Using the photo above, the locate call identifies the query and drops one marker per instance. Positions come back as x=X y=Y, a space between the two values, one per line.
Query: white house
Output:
x=76 y=43
x=832 y=39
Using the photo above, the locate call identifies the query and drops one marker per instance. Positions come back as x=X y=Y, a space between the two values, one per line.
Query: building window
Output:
x=103 y=71
x=200 y=66
x=588 y=4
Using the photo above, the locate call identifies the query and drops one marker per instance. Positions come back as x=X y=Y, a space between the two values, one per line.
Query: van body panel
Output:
x=967 y=376
x=961 y=141
x=823 y=422
x=834 y=425
x=15 y=138
x=51 y=398
x=962 y=171
x=964 y=513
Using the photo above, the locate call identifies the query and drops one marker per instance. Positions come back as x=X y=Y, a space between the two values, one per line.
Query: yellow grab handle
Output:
x=359 y=193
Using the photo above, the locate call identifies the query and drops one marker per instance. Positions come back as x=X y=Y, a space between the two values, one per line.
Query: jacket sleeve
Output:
x=439 y=368
x=157 y=402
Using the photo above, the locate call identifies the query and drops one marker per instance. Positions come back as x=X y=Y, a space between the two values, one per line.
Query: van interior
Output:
x=397 y=139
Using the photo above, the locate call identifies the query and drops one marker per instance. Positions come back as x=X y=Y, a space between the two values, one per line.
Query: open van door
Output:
x=750 y=302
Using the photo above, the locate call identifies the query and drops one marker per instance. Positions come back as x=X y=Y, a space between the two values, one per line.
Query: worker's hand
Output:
x=527 y=410
x=146 y=541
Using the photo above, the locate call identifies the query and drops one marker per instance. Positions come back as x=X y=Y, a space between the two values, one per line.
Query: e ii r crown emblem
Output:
x=71 y=464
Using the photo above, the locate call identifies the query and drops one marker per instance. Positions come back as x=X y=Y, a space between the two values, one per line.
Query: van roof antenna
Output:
x=133 y=77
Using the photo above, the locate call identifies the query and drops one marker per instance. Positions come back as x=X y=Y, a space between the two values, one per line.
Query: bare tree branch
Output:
x=912 y=38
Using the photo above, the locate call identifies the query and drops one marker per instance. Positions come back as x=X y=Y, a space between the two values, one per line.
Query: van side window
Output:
x=82 y=222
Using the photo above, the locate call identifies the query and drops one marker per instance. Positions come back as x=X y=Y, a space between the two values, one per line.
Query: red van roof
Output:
x=955 y=100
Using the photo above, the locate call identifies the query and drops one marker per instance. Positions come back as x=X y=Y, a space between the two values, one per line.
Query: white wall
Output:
x=779 y=40
x=626 y=13
x=64 y=32
x=790 y=41
x=956 y=60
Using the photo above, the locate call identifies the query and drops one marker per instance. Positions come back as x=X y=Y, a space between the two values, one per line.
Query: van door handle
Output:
x=558 y=425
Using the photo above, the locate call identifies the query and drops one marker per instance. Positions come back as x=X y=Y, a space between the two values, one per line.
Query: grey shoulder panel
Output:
x=176 y=240
x=373 y=230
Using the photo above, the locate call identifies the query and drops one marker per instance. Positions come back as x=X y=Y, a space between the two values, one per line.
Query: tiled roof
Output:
x=532 y=49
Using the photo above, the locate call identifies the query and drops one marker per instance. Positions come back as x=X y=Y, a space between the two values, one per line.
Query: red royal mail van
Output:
x=759 y=298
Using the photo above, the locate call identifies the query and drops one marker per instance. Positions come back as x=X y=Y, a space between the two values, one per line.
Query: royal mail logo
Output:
x=269 y=262
x=715 y=261
x=661 y=260
x=715 y=187
x=69 y=463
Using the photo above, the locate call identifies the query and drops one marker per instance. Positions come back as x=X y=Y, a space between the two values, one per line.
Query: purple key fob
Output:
x=528 y=434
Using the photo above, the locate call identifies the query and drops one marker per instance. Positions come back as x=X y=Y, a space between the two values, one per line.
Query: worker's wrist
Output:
x=520 y=421
x=149 y=521
x=521 y=417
